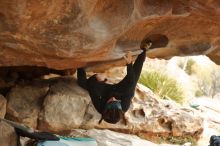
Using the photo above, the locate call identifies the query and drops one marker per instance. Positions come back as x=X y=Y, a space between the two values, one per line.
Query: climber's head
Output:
x=112 y=112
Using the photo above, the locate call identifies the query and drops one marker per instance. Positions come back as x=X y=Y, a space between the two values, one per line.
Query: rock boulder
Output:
x=65 y=106
x=25 y=101
x=70 y=33
x=8 y=136
x=3 y=103
x=110 y=138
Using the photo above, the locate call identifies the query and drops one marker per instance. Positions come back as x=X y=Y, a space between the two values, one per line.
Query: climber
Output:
x=113 y=100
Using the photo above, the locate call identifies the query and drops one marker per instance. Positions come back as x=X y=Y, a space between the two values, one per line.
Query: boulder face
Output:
x=69 y=33
x=109 y=138
x=3 y=103
x=66 y=106
x=22 y=108
x=68 y=110
x=8 y=135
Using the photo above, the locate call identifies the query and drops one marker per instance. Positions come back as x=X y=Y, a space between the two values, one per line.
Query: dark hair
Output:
x=112 y=113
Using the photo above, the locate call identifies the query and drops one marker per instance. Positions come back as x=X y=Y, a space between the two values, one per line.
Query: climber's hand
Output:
x=128 y=57
x=146 y=45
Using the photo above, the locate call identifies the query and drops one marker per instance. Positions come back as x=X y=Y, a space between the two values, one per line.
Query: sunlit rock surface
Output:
x=109 y=138
x=69 y=33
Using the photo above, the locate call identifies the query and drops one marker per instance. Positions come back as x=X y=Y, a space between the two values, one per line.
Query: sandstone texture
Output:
x=69 y=33
x=3 y=103
x=8 y=136
x=24 y=103
x=110 y=138
x=66 y=106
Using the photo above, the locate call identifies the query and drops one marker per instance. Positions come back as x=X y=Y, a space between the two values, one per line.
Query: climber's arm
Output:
x=97 y=102
x=129 y=78
x=95 y=92
x=139 y=64
x=81 y=78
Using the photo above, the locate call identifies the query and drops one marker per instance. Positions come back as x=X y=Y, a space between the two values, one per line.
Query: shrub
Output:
x=187 y=65
x=181 y=140
x=161 y=84
x=199 y=93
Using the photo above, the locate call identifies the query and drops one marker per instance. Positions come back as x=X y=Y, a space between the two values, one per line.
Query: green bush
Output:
x=181 y=140
x=189 y=66
x=199 y=93
x=161 y=84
